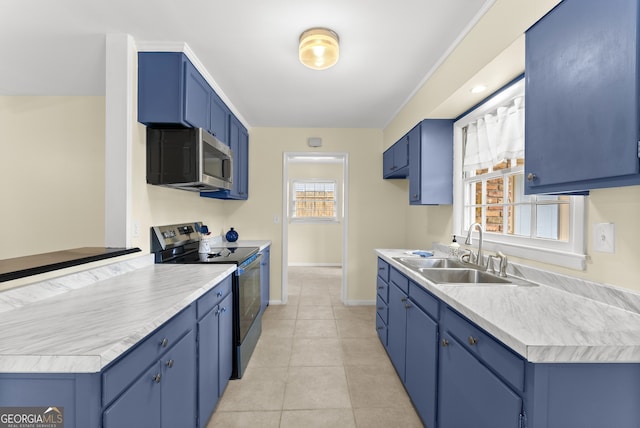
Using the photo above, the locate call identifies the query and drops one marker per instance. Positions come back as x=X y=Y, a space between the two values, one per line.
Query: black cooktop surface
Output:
x=233 y=255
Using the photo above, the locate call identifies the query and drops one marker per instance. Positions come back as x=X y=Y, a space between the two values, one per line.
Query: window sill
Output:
x=565 y=259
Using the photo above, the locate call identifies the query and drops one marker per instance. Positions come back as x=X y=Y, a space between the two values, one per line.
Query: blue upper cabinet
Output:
x=219 y=118
x=582 y=97
x=431 y=162
x=395 y=160
x=171 y=91
x=239 y=143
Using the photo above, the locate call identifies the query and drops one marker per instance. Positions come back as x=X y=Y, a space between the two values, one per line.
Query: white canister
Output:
x=204 y=246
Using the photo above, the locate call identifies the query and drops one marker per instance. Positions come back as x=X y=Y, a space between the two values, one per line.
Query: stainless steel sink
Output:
x=431 y=263
x=461 y=276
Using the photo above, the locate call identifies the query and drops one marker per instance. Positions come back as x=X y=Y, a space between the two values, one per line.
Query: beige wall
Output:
x=371 y=224
x=316 y=243
x=51 y=174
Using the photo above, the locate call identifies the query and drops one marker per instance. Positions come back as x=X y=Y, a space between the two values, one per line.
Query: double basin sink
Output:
x=454 y=272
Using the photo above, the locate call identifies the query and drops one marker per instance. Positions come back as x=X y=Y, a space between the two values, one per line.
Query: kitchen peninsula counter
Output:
x=81 y=323
x=545 y=323
x=20 y=267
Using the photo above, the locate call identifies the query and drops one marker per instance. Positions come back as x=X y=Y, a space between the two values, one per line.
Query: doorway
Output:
x=315 y=162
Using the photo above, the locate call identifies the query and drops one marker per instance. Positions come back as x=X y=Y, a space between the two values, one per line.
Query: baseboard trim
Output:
x=360 y=302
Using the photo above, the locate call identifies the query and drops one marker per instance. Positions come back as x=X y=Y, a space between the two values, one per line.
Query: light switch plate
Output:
x=604 y=237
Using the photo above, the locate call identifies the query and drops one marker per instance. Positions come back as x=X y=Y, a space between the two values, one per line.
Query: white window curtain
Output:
x=495 y=137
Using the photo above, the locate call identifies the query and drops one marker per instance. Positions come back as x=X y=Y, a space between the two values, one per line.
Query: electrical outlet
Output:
x=276 y=219
x=135 y=229
x=604 y=237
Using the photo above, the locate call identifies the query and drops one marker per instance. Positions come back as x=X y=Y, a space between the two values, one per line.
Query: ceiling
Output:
x=249 y=47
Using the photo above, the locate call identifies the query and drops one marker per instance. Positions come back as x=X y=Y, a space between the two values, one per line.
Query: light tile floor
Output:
x=318 y=363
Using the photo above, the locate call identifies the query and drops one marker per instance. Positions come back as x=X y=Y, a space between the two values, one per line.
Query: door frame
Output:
x=332 y=157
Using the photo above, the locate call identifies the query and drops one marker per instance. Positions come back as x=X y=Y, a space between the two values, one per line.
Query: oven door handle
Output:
x=255 y=263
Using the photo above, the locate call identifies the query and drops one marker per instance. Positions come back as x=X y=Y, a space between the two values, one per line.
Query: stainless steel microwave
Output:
x=188 y=159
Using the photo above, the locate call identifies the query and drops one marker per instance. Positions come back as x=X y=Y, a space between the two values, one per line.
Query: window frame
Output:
x=570 y=254
x=292 y=202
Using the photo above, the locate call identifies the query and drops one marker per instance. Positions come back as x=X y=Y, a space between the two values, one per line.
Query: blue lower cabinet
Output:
x=225 y=344
x=583 y=395
x=421 y=368
x=458 y=375
x=397 y=327
x=215 y=348
x=77 y=396
x=164 y=396
x=178 y=403
x=470 y=395
x=139 y=405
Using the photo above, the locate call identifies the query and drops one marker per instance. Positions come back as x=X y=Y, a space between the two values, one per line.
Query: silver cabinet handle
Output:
x=444 y=342
x=157 y=378
x=223 y=310
x=472 y=340
x=170 y=363
x=380 y=327
x=164 y=342
x=531 y=177
x=219 y=294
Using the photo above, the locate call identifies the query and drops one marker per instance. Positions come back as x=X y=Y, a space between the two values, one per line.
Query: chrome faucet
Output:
x=469 y=241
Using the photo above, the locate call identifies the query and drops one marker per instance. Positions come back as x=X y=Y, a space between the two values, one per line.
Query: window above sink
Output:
x=489 y=188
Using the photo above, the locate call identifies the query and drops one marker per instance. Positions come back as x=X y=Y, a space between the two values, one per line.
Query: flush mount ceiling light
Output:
x=319 y=48
x=478 y=89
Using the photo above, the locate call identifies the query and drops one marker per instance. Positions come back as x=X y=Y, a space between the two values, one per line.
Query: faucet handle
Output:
x=503 y=263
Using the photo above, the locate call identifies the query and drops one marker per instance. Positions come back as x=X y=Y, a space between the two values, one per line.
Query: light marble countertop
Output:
x=545 y=323
x=88 y=320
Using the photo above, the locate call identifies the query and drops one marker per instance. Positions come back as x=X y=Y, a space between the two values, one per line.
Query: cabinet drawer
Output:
x=383 y=270
x=383 y=290
x=423 y=299
x=131 y=365
x=382 y=309
x=400 y=280
x=381 y=328
x=212 y=297
x=500 y=359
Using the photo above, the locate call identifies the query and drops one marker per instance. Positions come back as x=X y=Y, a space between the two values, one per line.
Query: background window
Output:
x=313 y=200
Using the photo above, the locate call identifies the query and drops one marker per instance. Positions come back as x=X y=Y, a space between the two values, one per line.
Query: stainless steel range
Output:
x=179 y=243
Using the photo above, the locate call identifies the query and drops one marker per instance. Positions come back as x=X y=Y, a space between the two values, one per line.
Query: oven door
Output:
x=247 y=295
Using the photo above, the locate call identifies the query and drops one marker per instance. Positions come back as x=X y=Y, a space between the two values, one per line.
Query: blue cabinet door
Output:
x=582 y=97
x=422 y=363
x=395 y=160
x=225 y=343
x=470 y=395
x=208 y=364
x=219 y=119
x=178 y=401
x=197 y=98
x=396 y=329
x=138 y=406
x=431 y=163
x=161 y=88
x=239 y=143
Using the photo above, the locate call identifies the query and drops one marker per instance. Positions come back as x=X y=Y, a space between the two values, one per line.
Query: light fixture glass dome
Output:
x=319 y=48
